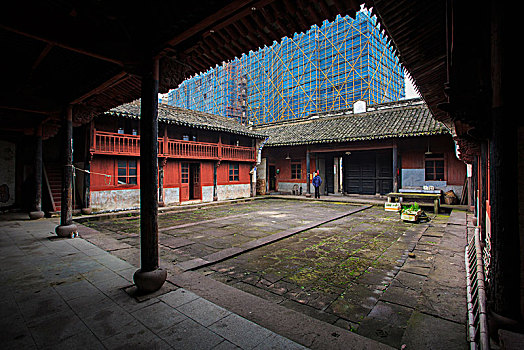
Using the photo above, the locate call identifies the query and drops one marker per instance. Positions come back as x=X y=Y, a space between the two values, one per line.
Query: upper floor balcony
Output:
x=129 y=145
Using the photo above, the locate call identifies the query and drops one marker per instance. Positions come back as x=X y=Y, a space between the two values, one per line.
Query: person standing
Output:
x=317 y=181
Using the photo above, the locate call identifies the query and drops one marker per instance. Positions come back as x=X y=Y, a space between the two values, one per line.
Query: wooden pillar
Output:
x=504 y=272
x=395 y=167
x=215 y=193
x=308 y=173
x=483 y=189
x=66 y=227
x=149 y=277
x=36 y=208
x=161 y=164
x=87 y=167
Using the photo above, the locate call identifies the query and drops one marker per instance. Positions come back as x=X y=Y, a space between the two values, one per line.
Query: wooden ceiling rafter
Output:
x=63 y=45
x=206 y=37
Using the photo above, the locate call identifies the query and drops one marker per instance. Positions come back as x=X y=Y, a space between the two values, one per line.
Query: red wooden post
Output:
x=93 y=134
x=219 y=146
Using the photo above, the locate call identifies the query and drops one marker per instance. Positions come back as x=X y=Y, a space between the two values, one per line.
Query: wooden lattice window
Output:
x=434 y=167
x=296 y=170
x=127 y=172
x=233 y=172
x=185 y=173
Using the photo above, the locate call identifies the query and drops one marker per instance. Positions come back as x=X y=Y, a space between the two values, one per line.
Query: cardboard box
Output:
x=392 y=207
x=410 y=215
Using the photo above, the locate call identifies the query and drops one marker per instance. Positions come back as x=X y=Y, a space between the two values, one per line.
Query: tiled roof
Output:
x=185 y=117
x=391 y=120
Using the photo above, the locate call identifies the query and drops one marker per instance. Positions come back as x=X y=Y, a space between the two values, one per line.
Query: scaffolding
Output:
x=326 y=68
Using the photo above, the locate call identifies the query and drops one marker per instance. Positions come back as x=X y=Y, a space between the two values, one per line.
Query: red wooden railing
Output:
x=124 y=144
x=192 y=149
x=238 y=152
x=113 y=143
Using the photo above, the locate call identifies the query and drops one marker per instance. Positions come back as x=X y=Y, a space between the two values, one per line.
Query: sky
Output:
x=410 y=89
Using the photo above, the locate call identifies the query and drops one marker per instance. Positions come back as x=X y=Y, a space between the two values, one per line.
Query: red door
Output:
x=195 y=189
x=184 y=182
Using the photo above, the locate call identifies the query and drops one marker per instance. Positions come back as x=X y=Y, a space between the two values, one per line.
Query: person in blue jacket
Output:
x=317 y=181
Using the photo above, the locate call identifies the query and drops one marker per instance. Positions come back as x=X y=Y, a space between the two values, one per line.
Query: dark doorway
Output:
x=272 y=178
x=330 y=175
x=368 y=172
x=194 y=181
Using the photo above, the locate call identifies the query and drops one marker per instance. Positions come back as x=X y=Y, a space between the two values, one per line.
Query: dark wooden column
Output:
x=483 y=189
x=36 y=208
x=308 y=171
x=149 y=277
x=66 y=227
x=395 y=167
x=504 y=272
x=87 y=167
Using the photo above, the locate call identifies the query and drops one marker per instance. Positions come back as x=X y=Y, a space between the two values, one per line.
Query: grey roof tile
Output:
x=185 y=117
x=380 y=122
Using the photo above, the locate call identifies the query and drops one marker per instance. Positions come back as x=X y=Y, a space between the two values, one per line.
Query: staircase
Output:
x=53 y=173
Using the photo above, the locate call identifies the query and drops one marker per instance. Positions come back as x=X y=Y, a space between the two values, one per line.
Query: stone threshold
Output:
x=234 y=251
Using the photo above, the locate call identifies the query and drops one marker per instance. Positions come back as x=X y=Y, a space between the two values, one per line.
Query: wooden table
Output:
x=412 y=195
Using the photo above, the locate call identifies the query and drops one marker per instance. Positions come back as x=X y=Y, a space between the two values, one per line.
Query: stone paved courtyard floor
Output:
x=356 y=267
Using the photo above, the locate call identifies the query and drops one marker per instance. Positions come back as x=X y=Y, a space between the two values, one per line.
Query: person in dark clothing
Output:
x=317 y=181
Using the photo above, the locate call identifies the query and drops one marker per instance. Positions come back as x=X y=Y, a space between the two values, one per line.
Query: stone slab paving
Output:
x=199 y=236
x=369 y=273
x=390 y=298
x=70 y=294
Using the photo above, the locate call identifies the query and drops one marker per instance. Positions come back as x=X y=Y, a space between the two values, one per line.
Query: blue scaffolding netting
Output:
x=326 y=68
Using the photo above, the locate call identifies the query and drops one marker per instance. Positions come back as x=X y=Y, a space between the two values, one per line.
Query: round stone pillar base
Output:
x=87 y=211
x=149 y=281
x=66 y=230
x=35 y=215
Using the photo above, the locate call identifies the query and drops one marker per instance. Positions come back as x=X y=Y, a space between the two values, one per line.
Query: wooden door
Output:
x=330 y=175
x=368 y=172
x=272 y=178
x=184 y=182
x=195 y=188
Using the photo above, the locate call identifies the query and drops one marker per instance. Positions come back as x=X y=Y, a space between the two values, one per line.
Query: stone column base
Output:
x=150 y=281
x=35 y=215
x=66 y=230
x=87 y=211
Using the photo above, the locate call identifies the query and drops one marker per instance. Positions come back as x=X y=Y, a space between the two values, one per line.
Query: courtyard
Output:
x=354 y=266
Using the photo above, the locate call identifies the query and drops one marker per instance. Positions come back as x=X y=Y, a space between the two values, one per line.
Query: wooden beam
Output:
x=41 y=57
x=222 y=18
x=27 y=110
x=63 y=46
x=116 y=79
